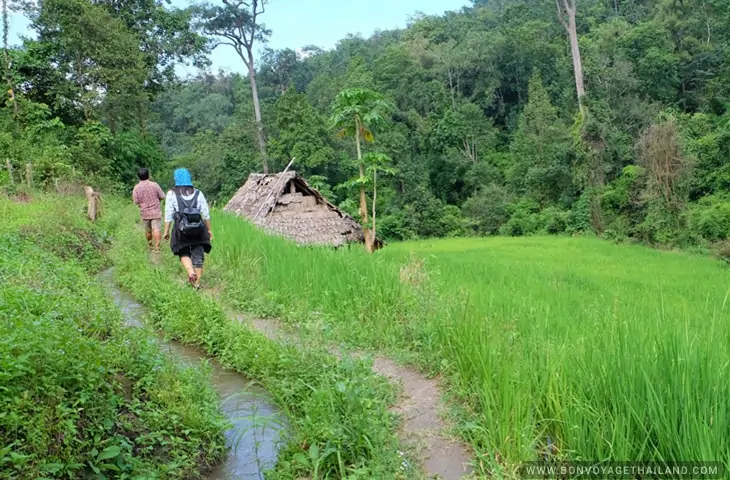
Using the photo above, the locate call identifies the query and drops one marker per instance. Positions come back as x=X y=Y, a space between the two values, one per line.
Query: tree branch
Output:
x=254 y=15
x=228 y=36
x=560 y=14
x=218 y=44
x=569 y=8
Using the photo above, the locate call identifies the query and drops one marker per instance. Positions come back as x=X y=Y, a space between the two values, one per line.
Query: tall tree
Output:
x=300 y=133
x=165 y=37
x=566 y=15
x=95 y=61
x=541 y=146
x=236 y=24
x=355 y=111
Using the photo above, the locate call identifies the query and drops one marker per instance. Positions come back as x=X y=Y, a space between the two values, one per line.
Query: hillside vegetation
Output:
x=82 y=394
x=483 y=134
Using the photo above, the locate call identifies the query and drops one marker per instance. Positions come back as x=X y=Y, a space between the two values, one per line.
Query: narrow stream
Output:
x=257 y=423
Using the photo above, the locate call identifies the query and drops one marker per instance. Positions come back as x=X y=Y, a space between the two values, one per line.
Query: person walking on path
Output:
x=147 y=195
x=191 y=237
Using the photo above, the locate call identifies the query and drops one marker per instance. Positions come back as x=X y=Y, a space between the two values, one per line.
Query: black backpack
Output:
x=188 y=218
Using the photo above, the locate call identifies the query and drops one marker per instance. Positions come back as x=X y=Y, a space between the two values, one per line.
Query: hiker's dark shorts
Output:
x=196 y=254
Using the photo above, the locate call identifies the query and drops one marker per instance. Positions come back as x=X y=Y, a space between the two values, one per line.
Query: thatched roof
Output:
x=284 y=204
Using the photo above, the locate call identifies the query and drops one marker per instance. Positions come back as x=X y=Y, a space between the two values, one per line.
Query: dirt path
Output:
x=443 y=457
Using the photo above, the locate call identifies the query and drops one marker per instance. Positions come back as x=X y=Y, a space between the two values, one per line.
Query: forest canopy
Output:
x=508 y=117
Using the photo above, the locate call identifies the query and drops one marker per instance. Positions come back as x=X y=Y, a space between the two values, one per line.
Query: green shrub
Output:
x=710 y=219
x=554 y=220
x=488 y=209
x=81 y=394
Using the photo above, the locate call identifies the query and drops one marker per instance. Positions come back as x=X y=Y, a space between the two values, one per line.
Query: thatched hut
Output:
x=284 y=204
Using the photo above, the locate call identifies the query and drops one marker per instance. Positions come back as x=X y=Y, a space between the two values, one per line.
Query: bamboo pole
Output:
x=276 y=187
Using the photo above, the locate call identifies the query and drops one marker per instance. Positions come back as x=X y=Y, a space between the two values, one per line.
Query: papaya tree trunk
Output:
x=375 y=197
x=363 y=199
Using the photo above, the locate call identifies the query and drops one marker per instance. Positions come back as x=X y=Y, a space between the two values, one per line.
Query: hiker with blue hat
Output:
x=191 y=236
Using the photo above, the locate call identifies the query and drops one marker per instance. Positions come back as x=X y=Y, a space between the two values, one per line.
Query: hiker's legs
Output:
x=192 y=259
x=156 y=234
x=187 y=263
x=197 y=258
x=148 y=231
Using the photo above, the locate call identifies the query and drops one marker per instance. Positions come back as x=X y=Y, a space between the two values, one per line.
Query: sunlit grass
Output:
x=611 y=352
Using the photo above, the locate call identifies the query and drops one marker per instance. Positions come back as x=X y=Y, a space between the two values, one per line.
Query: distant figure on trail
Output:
x=192 y=235
x=147 y=195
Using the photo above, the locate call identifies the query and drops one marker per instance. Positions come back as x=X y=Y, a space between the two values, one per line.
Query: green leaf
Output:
x=301 y=459
x=52 y=467
x=314 y=452
x=109 y=452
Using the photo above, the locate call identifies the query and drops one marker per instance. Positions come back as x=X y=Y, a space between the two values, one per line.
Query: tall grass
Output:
x=603 y=351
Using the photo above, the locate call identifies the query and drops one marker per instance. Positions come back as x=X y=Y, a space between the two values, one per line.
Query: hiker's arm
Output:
x=205 y=213
x=169 y=208
x=135 y=196
x=160 y=193
x=207 y=225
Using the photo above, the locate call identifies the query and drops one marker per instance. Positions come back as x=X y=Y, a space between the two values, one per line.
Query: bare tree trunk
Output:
x=29 y=174
x=577 y=64
x=257 y=113
x=451 y=88
x=567 y=9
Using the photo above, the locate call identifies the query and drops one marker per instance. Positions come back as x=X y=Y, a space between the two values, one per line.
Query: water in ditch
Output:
x=256 y=423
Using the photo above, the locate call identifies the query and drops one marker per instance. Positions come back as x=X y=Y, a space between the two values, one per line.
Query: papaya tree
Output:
x=376 y=163
x=355 y=112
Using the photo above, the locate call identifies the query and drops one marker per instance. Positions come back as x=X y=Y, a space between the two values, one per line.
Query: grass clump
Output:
x=83 y=396
x=604 y=352
x=340 y=426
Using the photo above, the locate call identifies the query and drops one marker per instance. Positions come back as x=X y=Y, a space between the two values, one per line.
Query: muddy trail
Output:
x=424 y=429
x=257 y=425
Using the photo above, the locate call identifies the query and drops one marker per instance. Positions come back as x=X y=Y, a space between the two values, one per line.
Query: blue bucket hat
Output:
x=182 y=178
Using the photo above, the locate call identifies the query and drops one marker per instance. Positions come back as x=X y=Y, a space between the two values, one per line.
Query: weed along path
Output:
x=256 y=423
x=423 y=429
